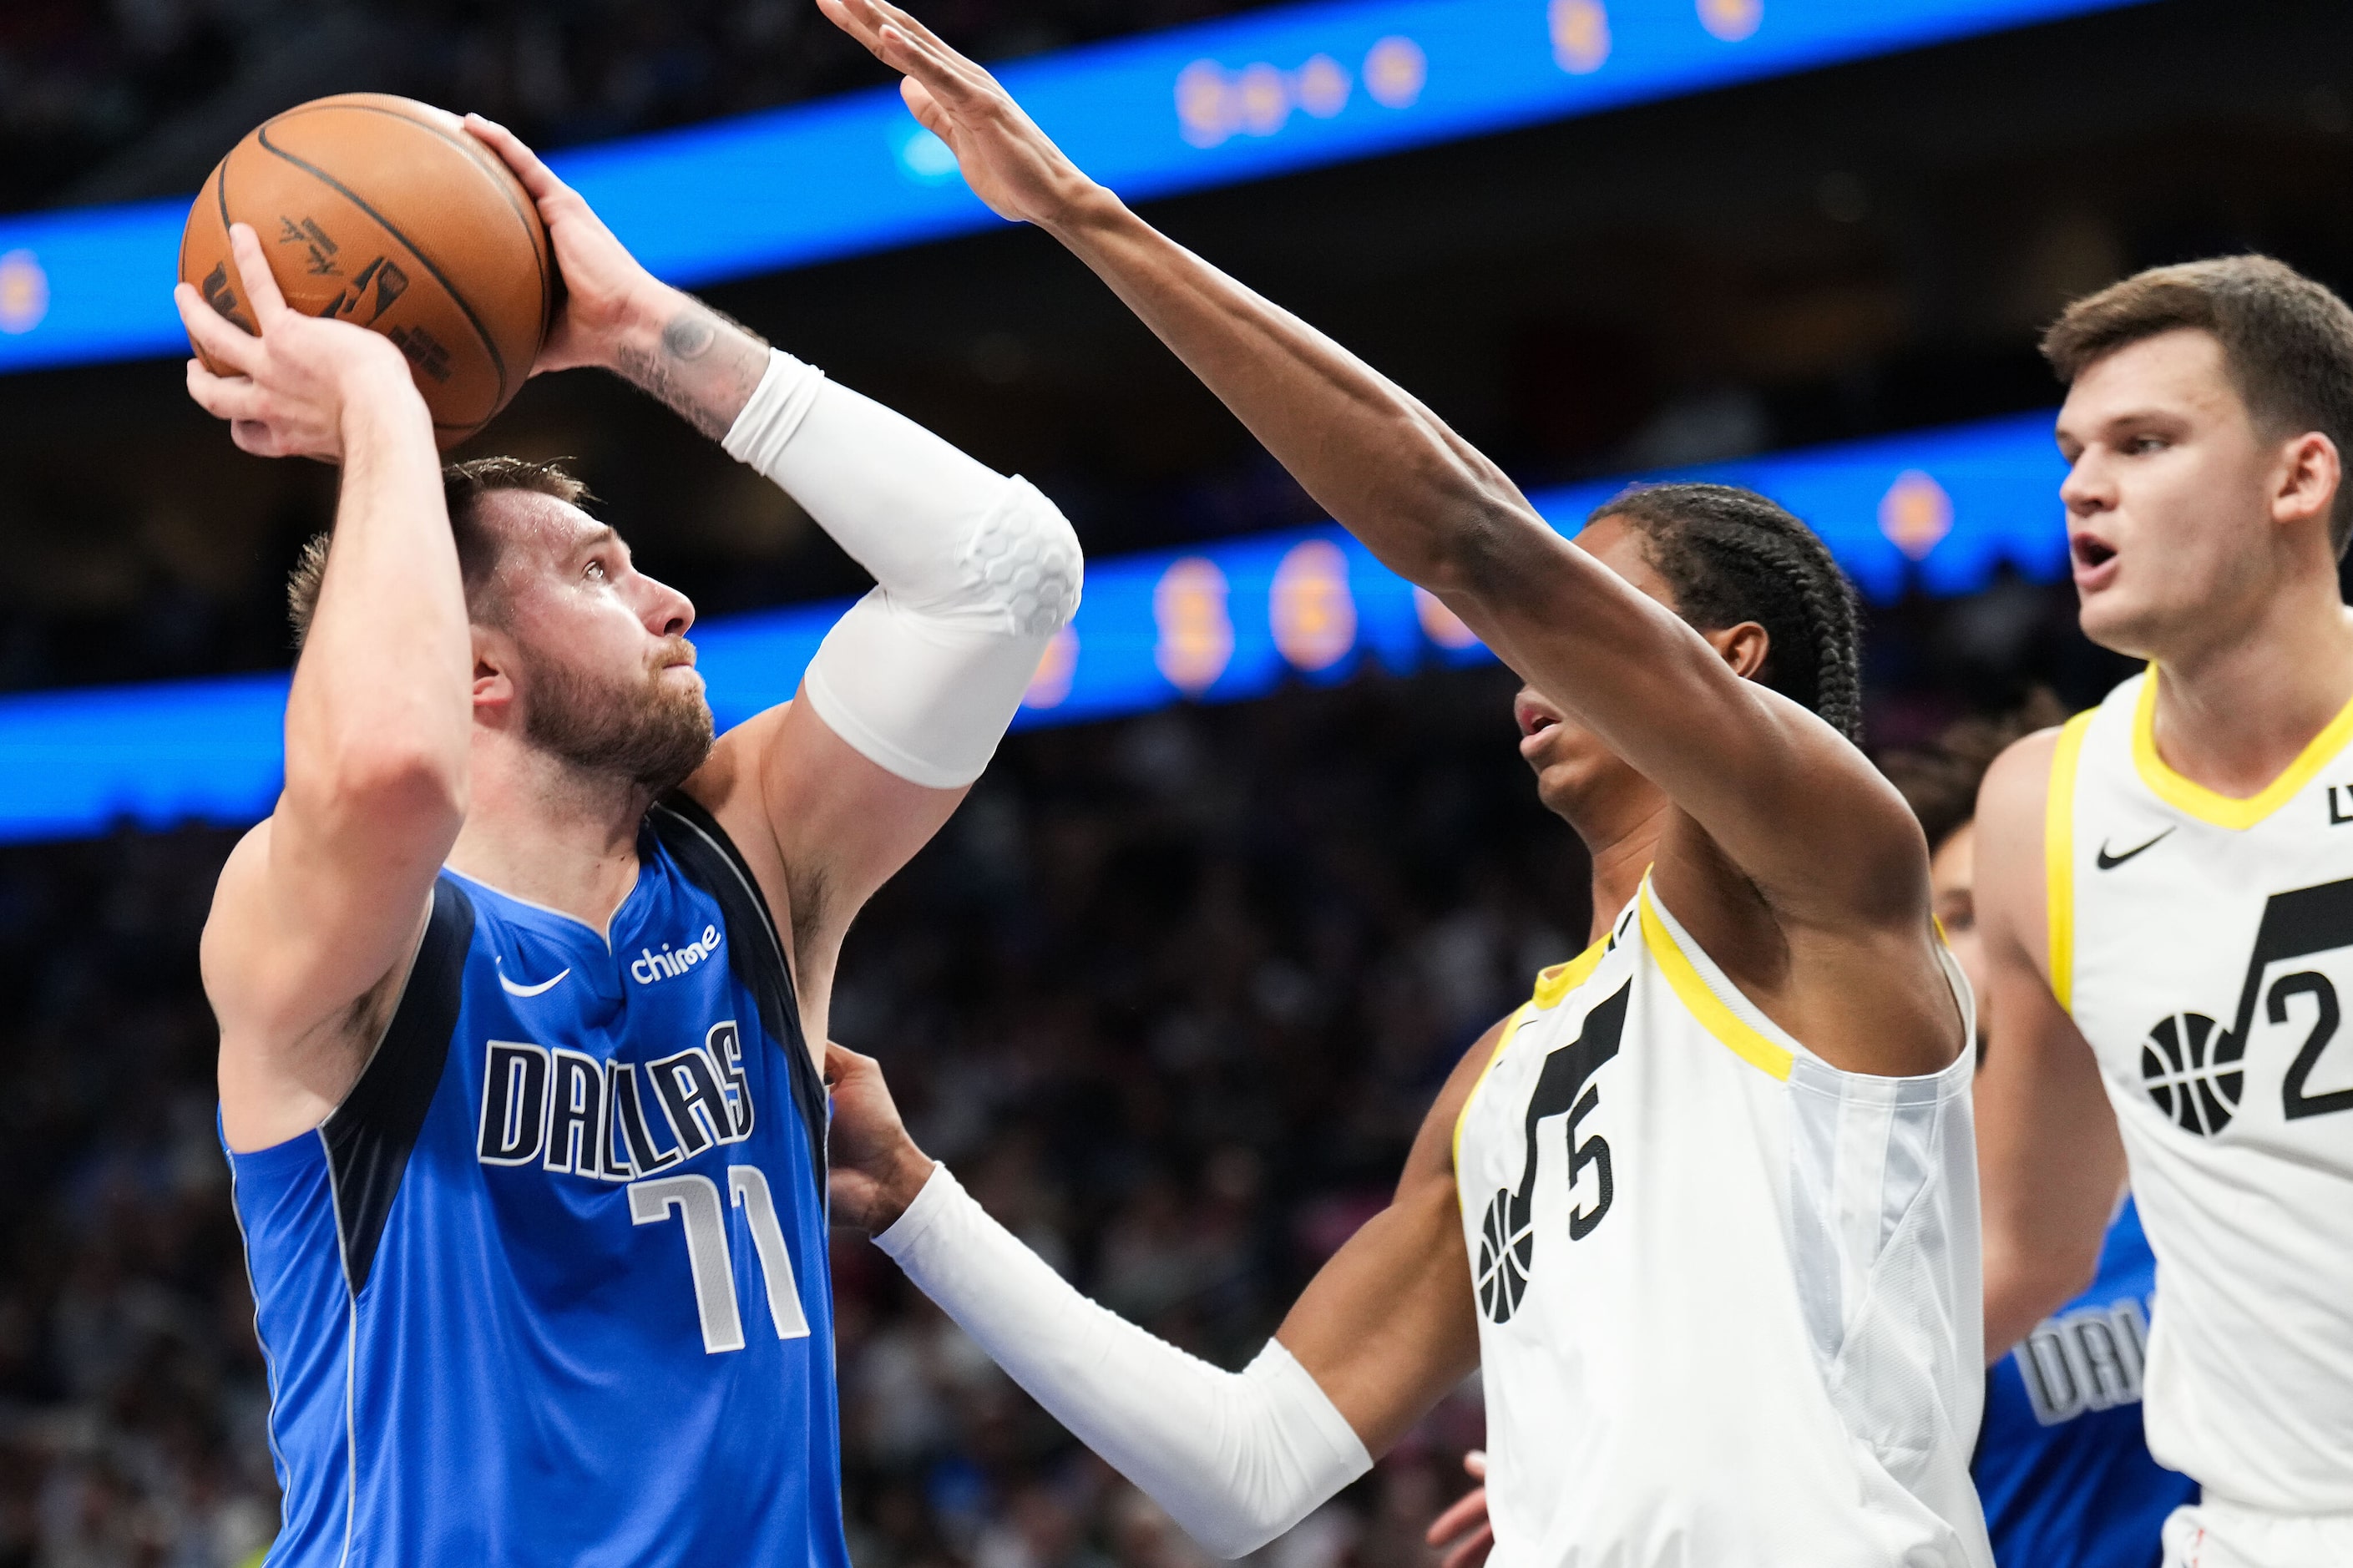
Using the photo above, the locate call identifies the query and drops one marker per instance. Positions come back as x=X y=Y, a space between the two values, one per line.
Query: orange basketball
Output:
x=382 y=211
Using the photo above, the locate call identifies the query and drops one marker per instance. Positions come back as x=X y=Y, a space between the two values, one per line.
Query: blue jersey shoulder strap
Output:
x=708 y=857
x=369 y=1136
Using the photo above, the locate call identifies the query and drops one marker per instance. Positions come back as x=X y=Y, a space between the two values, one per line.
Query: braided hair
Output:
x=1730 y=555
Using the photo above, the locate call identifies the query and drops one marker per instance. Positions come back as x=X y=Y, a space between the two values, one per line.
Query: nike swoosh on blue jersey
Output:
x=512 y=989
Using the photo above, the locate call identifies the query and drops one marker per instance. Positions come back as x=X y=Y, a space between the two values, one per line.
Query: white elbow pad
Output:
x=974 y=573
x=1235 y=1458
x=925 y=696
x=1019 y=568
x=926 y=691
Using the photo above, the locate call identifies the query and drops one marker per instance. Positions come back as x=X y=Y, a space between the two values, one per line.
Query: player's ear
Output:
x=495 y=685
x=1744 y=648
x=2310 y=470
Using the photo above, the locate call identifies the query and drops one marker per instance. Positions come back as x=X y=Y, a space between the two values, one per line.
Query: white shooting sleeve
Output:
x=1236 y=1458
x=973 y=573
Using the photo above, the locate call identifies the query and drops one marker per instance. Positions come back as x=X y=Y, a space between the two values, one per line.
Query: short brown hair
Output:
x=1939 y=781
x=2287 y=341
x=463 y=486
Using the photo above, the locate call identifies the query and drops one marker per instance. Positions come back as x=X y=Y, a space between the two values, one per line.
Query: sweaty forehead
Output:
x=2182 y=371
x=537 y=530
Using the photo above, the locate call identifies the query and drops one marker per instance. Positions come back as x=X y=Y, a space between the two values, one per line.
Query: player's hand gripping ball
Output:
x=385 y=211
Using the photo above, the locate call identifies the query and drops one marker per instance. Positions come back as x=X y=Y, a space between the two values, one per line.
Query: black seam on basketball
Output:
x=193 y=210
x=498 y=361
x=220 y=188
x=529 y=217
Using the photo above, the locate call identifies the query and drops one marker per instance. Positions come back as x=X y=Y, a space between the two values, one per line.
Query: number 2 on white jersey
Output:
x=696 y=1199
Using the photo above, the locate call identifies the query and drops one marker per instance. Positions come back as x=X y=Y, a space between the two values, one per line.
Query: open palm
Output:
x=604 y=285
x=1009 y=163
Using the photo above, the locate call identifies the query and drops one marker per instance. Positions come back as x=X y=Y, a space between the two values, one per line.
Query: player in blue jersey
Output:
x=2062 y=1465
x=518 y=984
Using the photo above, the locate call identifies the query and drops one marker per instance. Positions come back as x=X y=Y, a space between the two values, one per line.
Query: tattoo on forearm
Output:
x=706 y=367
x=688 y=337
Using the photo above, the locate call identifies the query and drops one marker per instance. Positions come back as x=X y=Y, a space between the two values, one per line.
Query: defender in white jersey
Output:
x=1783 y=1232
x=1728 y=1303
x=2202 y=944
x=2166 y=891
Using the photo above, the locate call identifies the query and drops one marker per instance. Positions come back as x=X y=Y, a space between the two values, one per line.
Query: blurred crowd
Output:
x=83 y=81
x=1171 y=994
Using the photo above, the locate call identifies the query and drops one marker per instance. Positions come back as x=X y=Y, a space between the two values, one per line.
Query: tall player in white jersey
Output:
x=2166 y=886
x=1704 y=1210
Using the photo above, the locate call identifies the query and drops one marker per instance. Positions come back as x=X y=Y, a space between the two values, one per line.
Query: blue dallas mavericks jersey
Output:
x=550 y=1287
x=2063 y=1469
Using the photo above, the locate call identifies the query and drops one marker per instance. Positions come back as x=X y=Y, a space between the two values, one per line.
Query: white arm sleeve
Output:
x=1236 y=1458
x=974 y=573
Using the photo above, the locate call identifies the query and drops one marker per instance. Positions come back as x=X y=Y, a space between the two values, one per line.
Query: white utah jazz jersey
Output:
x=2202 y=945
x=1729 y=1300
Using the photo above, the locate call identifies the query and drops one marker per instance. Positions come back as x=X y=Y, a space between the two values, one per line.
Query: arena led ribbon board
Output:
x=1943 y=510
x=1214 y=104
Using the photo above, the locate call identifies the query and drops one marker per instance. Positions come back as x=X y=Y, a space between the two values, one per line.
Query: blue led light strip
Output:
x=1151 y=116
x=1945 y=509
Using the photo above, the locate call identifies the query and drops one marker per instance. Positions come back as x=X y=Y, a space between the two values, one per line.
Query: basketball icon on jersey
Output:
x=1508 y=1239
x=1507 y=1245
x=2192 y=1073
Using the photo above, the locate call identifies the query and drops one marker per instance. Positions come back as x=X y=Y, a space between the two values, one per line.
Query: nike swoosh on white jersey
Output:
x=512 y=989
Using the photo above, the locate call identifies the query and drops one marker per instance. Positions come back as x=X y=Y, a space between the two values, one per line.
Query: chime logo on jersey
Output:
x=578 y=1116
x=2198 y=1077
x=1507 y=1237
x=651 y=968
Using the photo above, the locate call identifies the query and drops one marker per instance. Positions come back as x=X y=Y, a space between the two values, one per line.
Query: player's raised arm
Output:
x=912 y=690
x=1798 y=814
x=321 y=906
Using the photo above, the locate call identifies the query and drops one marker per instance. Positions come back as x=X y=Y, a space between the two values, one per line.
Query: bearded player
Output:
x=2165 y=885
x=517 y=984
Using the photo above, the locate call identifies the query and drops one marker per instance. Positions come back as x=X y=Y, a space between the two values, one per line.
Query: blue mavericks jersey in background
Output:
x=550 y=1287
x=2061 y=1466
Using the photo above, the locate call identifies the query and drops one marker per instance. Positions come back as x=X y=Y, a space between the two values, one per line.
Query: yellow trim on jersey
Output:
x=1552 y=985
x=2059 y=854
x=2222 y=810
x=1512 y=1025
x=1558 y=981
x=1702 y=1002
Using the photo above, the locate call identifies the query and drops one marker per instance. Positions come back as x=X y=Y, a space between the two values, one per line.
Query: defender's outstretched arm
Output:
x=1380 y=1334
x=1800 y=814
x=904 y=704
x=320 y=908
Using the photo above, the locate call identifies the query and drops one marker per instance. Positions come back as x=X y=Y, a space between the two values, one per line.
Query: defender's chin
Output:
x=1566 y=786
x=1558 y=796
x=2112 y=621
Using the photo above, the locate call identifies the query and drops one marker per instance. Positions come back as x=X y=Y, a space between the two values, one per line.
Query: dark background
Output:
x=1171 y=992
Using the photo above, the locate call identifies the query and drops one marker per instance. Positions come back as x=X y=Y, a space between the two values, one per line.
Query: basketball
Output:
x=382 y=211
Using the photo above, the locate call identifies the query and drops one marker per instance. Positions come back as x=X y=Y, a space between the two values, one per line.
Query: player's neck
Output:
x=550 y=834
x=1621 y=846
x=2234 y=714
